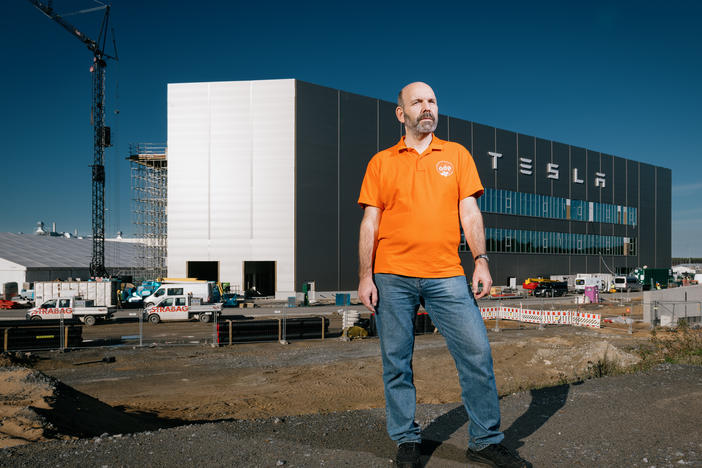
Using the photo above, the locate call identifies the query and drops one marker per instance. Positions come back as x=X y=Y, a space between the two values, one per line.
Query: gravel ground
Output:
x=644 y=420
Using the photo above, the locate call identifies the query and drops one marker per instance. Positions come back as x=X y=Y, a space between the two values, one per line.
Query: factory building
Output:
x=264 y=177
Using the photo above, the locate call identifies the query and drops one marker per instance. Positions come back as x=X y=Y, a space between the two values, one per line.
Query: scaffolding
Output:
x=149 y=177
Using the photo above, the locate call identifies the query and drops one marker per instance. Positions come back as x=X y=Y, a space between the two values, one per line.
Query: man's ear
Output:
x=400 y=114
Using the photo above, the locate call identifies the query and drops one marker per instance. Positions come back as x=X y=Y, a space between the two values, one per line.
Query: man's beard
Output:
x=423 y=127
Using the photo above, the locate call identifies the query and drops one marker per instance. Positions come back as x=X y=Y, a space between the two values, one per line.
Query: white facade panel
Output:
x=231 y=163
x=11 y=272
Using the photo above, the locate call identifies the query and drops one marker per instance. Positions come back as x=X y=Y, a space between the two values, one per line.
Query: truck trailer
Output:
x=653 y=278
x=102 y=293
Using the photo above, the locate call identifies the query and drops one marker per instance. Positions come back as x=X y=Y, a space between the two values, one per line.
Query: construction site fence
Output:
x=670 y=313
x=133 y=330
x=136 y=331
x=543 y=316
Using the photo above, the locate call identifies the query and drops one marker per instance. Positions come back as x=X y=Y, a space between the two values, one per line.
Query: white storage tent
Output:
x=26 y=258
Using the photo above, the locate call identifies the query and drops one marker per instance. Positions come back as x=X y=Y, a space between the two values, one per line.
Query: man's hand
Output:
x=368 y=293
x=481 y=274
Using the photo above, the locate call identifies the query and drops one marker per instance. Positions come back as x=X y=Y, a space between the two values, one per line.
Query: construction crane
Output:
x=101 y=133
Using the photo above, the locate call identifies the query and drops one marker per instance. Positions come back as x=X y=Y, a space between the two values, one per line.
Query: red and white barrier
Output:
x=560 y=317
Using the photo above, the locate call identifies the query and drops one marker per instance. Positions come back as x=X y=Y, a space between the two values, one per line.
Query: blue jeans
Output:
x=455 y=313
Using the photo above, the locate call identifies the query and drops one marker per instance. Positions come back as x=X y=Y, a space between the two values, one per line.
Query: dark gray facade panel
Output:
x=663 y=217
x=459 y=132
x=541 y=157
x=593 y=166
x=578 y=264
x=389 y=128
x=559 y=156
x=525 y=223
x=316 y=221
x=632 y=183
x=356 y=147
x=618 y=179
x=647 y=218
x=596 y=264
x=526 y=149
x=442 y=129
x=579 y=227
x=554 y=265
x=484 y=143
x=507 y=169
x=606 y=192
x=578 y=163
x=619 y=230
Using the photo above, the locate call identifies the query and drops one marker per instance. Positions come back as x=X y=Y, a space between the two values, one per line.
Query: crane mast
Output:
x=101 y=133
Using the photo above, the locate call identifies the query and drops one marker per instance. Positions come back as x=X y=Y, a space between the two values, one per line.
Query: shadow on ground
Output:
x=76 y=414
x=545 y=402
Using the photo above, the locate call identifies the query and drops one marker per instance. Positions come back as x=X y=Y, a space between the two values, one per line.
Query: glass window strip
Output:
x=544 y=206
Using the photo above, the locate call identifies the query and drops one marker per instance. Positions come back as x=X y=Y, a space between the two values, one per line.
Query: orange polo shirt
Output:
x=419 y=230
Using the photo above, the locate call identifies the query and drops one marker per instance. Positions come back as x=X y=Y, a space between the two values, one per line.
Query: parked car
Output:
x=181 y=308
x=627 y=283
x=551 y=289
x=71 y=308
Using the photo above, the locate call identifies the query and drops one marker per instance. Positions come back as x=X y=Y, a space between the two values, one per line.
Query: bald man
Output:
x=416 y=197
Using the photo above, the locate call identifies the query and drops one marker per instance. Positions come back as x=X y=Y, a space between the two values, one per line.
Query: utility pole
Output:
x=101 y=133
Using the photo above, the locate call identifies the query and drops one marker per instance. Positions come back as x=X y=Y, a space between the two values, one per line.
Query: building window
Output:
x=545 y=206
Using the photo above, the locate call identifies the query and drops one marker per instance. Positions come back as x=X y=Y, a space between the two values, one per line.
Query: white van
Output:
x=205 y=290
x=627 y=283
x=581 y=283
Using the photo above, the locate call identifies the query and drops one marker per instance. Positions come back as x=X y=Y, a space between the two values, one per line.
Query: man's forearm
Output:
x=366 y=243
x=474 y=231
x=367 y=239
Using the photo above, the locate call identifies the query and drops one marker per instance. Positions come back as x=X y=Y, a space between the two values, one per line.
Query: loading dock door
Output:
x=207 y=271
x=260 y=276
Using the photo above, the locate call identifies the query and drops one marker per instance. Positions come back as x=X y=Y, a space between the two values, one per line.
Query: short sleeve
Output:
x=370 y=189
x=469 y=184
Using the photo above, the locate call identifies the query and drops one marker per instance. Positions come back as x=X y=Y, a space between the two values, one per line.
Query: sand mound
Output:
x=36 y=407
x=24 y=391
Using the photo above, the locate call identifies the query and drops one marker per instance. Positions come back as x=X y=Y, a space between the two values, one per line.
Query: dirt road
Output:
x=268 y=379
x=641 y=420
x=137 y=389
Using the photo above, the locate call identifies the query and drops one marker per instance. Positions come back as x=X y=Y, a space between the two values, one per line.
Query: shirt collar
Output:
x=435 y=145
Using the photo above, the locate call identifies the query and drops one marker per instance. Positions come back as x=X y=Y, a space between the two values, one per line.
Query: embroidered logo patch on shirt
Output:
x=445 y=168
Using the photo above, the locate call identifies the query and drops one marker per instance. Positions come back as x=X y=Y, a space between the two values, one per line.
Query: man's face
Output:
x=419 y=112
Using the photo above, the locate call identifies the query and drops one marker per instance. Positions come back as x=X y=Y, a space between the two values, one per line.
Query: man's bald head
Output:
x=412 y=86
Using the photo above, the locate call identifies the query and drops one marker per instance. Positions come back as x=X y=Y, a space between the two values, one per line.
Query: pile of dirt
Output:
x=24 y=392
x=36 y=407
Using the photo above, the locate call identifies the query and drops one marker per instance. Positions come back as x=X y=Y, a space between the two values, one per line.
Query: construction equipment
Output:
x=101 y=133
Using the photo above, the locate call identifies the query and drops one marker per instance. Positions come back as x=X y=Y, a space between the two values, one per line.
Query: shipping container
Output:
x=103 y=293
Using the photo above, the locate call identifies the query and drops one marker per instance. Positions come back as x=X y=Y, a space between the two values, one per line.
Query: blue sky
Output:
x=617 y=77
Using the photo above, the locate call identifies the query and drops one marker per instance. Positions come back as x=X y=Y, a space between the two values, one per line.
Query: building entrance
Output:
x=207 y=271
x=260 y=276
